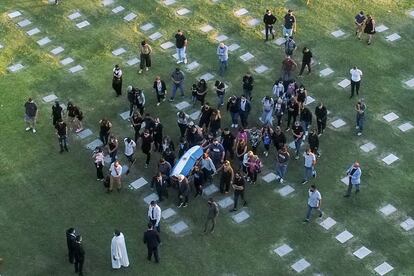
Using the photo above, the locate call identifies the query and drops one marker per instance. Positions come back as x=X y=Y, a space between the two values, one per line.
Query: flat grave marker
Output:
x=24 y=23
x=406 y=127
x=83 y=24
x=389 y=159
x=410 y=83
x=167 y=45
x=300 y=265
x=133 y=61
x=393 y=37
x=124 y=115
x=345 y=180
x=309 y=100
x=118 y=51
x=207 y=76
x=261 y=69
x=206 y=28
x=326 y=72
x=241 y=12
x=286 y=190
x=169 y=2
x=222 y=38
x=49 y=98
x=381 y=28
x=367 y=147
x=407 y=224
x=210 y=189
x=130 y=16
x=15 y=67
x=57 y=50
x=338 y=33
x=226 y=202
x=147 y=27
x=388 y=210
x=246 y=57
x=240 y=217
x=362 y=252
x=183 y=11
x=390 y=117
x=43 y=41
x=192 y=66
x=118 y=9
x=33 y=32
x=182 y=105
x=344 y=83
x=66 y=61
x=151 y=197
x=233 y=47
x=179 y=227
x=279 y=41
x=76 y=68
x=140 y=182
x=14 y=14
x=167 y=213
x=327 y=223
x=84 y=133
x=107 y=2
x=269 y=177
x=344 y=236
x=338 y=123
x=383 y=268
x=155 y=36
x=94 y=144
x=283 y=250
x=74 y=15
x=254 y=22
x=194 y=116
x=411 y=13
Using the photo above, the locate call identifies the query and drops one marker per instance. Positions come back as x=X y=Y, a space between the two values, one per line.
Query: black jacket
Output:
x=152 y=238
x=79 y=252
x=269 y=19
x=163 y=87
x=321 y=113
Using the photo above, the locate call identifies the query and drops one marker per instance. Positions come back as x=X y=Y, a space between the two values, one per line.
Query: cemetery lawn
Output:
x=43 y=193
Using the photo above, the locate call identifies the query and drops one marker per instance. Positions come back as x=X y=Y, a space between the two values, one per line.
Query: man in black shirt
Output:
x=248 y=85
x=181 y=45
x=321 y=114
x=289 y=26
x=79 y=254
x=30 y=115
x=70 y=240
x=298 y=133
x=278 y=138
x=227 y=140
x=269 y=19
x=152 y=240
x=57 y=111
x=61 y=132
x=239 y=185
x=306 y=60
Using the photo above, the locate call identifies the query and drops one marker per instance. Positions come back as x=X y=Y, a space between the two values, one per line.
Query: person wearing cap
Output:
x=213 y=212
x=360 y=109
x=79 y=255
x=314 y=202
x=298 y=133
x=183 y=190
x=154 y=215
x=354 y=175
x=177 y=78
x=290 y=46
x=356 y=75
x=289 y=26
x=117 y=80
x=269 y=20
x=359 y=24
x=223 y=55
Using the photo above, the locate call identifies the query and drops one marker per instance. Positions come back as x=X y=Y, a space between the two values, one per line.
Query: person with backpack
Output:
x=213 y=212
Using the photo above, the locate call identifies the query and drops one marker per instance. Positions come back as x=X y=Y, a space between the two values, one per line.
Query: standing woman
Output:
x=98 y=159
x=279 y=110
x=220 y=91
x=226 y=178
x=57 y=111
x=145 y=56
x=241 y=150
x=146 y=144
x=140 y=101
x=113 y=148
x=136 y=122
x=201 y=91
x=254 y=166
x=70 y=109
x=78 y=119
x=267 y=113
x=182 y=121
x=158 y=135
x=160 y=89
x=321 y=114
x=369 y=28
x=105 y=128
x=215 y=122
x=117 y=80
x=301 y=95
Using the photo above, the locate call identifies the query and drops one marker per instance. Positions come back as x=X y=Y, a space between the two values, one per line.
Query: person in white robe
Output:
x=119 y=255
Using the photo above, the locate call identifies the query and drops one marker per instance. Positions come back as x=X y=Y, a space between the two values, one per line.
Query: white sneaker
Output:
x=180 y=61
x=232 y=125
x=146 y=69
x=281 y=180
x=185 y=61
x=277 y=177
x=140 y=71
x=158 y=104
x=236 y=125
x=27 y=128
x=356 y=127
x=359 y=133
x=34 y=130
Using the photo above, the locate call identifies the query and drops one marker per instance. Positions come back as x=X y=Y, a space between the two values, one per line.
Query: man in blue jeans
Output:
x=354 y=173
x=360 y=116
x=181 y=45
x=310 y=162
x=177 y=78
x=223 y=55
x=298 y=133
x=314 y=202
x=283 y=157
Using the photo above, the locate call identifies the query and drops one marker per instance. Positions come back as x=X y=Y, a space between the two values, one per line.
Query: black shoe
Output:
x=321 y=214
x=347 y=195
x=306 y=220
x=233 y=210
x=357 y=191
x=67 y=149
x=245 y=204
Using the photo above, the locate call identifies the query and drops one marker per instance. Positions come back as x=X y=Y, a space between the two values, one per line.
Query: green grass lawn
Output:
x=44 y=193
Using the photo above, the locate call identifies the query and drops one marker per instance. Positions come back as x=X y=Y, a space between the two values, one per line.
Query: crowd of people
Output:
x=233 y=155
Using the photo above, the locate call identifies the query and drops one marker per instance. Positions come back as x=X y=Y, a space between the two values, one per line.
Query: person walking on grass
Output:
x=62 y=133
x=145 y=56
x=359 y=24
x=267 y=114
x=160 y=89
x=321 y=114
x=248 y=81
x=290 y=46
x=198 y=180
x=146 y=145
x=289 y=26
x=129 y=151
x=239 y=185
x=244 y=110
x=181 y=45
x=314 y=202
x=313 y=140
x=113 y=148
x=154 y=215
x=70 y=240
x=119 y=254
x=140 y=101
x=288 y=67
x=306 y=60
x=233 y=107
x=356 y=75
x=117 y=80
x=160 y=182
x=269 y=20
x=152 y=240
x=177 y=78
x=183 y=191
x=212 y=214
x=309 y=164
x=131 y=96
x=115 y=171
x=354 y=175
x=283 y=158
x=254 y=167
x=298 y=133
x=360 y=109
x=226 y=178
x=208 y=168
x=305 y=119
x=278 y=138
x=201 y=91
x=79 y=255
x=182 y=121
x=136 y=123
x=99 y=161
x=370 y=28
x=228 y=141
x=57 y=113
x=220 y=91
x=78 y=119
x=223 y=55
x=104 y=130
x=30 y=115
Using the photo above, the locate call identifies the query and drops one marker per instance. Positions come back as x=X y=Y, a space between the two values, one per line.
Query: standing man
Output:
x=306 y=60
x=154 y=215
x=220 y=91
x=130 y=146
x=119 y=252
x=321 y=114
x=213 y=212
x=117 y=80
x=248 y=85
x=223 y=55
x=290 y=46
x=115 y=171
x=57 y=112
x=160 y=183
x=289 y=26
x=314 y=202
x=283 y=158
x=269 y=20
x=160 y=89
x=310 y=162
x=79 y=255
x=183 y=190
x=244 y=110
x=239 y=185
x=181 y=45
x=288 y=66
x=152 y=240
x=360 y=116
x=145 y=56
x=177 y=78
x=62 y=132
x=354 y=174
x=70 y=240
x=30 y=115
x=298 y=133
x=356 y=75
x=359 y=24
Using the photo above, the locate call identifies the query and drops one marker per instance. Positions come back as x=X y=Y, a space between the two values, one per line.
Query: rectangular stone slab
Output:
x=226 y=202
x=338 y=33
x=74 y=15
x=66 y=61
x=24 y=23
x=206 y=28
x=147 y=27
x=233 y=47
x=383 y=268
x=151 y=197
x=269 y=177
x=94 y=144
x=390 y=117
x=118 y=9
x=407 y=224
x=325 y=72
x=14 y=14
x=192 y=66
x=246 y=57
x=207 y=76
x=285 y=191
x=83 y=24
x=222 y=38
x=183 y=11
x=124 y=115
x=327 y=223
x=261 y=69
x=168 y=213
x=389 y=159
x=179 y=227
x=410 y=83
x=344 y=83
x=49 y=98
x=155 y=36
x=283 y=250
x=381 y=28
x=133 y=61
x=169 y=2
x=362 y=252
x=210 y=189
x=76 y=68
x=194 y=116
x=388 y=209
x=241 y=12
x=57 y=50
x=43 y=41
x=15 y=67
x=254 y=22
x=344 y=236
x=406 y=127
x=300 y=265
x=367 y=147
x=84 y=133
x=33 y=32
x=393 y=37
x=167 y=45
x=130 y=16
x=309 y=100
x=338 y=123
x=345 y=180
x=140 y=182
x=118 y=51
x=240 y=217
x=107 y=2
x=182 y=105
x=279 y=41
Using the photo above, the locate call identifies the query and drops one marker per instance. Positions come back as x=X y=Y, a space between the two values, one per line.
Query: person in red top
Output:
x=288 y=66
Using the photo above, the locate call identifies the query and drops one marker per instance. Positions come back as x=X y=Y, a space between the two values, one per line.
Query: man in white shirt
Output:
x=314 y=202
x=356 y=75
x=310 y=162
x=154 y=215
x=115 y=171
x=130 y=146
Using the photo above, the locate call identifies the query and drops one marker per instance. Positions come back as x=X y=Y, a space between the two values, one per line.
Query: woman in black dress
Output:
x=117 y=80
x=56 y=113
x=215 y=122
x=369 y=28
x=105 y=128
x=146 y=144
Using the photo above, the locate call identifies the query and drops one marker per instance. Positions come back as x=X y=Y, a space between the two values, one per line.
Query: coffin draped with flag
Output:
x=187 y=161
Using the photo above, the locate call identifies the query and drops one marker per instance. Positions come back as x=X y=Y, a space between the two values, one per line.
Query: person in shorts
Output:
x=30 y=115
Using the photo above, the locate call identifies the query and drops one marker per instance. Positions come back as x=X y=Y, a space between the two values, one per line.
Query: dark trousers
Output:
x=148 y=154
x=252 y=175
x=145 y=61
x=153 y=251
x=243 y=118
x=198 y=188
x=162 y=192
x=183 y=199
x=113 y=156
x=160 y=97
x=213 y=224
x=117 y=86
x=305 y=64
x=63 y=142
x=207 y=175
x=279 y=119
x=153 y=222
x=350 y=187
x=140 y=108
x=355 y=86
x=183 y=128
x=79 y=266
x=99 y=171
x=237 y=194
x=291 y=116
x=131 y=109
x=229 y=153
x=104 y=136
x=224 y=186
x=269 y=30
x=321 y=125
x=136 y=135
x=71 y=255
